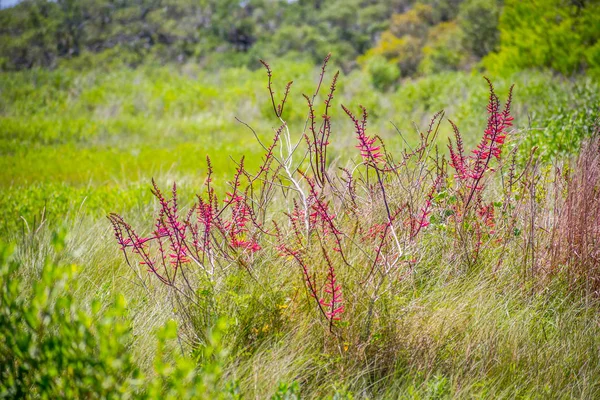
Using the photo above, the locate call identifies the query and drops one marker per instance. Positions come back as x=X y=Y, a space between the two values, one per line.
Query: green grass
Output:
x=100 y=127
x=440 y=334
x=75 y=146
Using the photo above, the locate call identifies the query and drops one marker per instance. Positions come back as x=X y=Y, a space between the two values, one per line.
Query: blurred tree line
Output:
x=41 y=32
x=502 y=36
x=390 y=38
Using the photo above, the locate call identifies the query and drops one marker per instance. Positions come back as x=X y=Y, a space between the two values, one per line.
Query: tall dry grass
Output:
x=576 y=239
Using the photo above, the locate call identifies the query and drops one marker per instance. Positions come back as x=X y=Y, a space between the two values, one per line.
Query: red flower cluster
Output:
x=366 y=144
x=178 y=241
x=493 y=136
x=333 y=306
x=470 y=171
x=236 y=227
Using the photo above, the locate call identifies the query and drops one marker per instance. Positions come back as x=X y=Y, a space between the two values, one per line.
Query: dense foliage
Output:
x=414 y=37
x=558 y=34
x=39 y=33
x=54 y=347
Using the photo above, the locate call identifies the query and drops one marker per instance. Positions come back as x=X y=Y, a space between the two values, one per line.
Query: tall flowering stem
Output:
x=474 y=218
x=334 y=304
x=472 y=170
x=370 y=152
x=277 y=108
x=372 y=156
x=318 y=141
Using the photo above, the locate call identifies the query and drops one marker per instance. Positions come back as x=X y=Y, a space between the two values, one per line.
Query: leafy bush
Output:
x=383 y=73
x=52 y=347
x=443 y=50
x=568 y=122
x=404 y=51
x=414 y=22
x=478 y=19
x=546 y=34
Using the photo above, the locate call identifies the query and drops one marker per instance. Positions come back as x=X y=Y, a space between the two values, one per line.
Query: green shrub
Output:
x=478 y=19
x=443 y=50
x=383 y=73
x=546 y=34
x=52 y=348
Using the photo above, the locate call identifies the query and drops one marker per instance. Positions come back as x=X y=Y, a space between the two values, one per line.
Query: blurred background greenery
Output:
x=413 y=37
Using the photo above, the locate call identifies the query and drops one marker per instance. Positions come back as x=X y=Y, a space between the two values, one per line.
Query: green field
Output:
x=90 y=142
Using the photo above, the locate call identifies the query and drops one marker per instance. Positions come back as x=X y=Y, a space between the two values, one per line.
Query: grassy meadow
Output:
x=77 y=146
x=95 y=139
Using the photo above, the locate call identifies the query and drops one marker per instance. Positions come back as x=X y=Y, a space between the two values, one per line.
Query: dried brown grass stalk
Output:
x=576 y=238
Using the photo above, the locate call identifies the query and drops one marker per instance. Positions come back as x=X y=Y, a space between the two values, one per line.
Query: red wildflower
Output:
x=333 y=307
x=366 y=144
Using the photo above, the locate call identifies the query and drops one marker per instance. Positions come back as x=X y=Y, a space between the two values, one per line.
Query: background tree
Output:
x=478 y=19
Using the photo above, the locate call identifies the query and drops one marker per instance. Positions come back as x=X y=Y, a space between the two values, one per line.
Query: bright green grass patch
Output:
x=96 y=129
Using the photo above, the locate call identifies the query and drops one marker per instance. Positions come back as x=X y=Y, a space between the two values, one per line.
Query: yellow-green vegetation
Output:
x=91 y=140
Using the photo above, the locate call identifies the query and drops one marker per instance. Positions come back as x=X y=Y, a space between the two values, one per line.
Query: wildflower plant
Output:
x=351 y=229
x=473 y=216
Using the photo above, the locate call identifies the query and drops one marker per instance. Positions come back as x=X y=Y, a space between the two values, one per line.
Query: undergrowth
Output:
x=385 y=274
